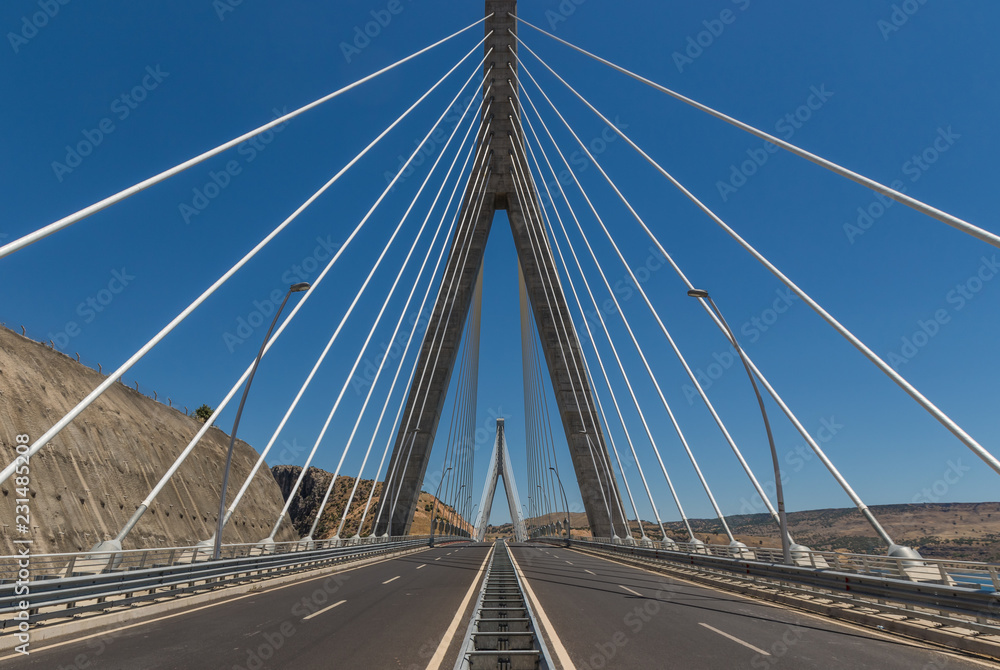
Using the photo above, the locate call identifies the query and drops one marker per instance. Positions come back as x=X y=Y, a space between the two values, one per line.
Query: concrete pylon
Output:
x=492 y=187
x=500 y=467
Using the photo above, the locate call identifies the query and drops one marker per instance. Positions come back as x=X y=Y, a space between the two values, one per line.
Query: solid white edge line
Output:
x=391 y=580
x=557 y=646
x=325 y=609
x=735 y=639
x=635 y=593
x=438 y=658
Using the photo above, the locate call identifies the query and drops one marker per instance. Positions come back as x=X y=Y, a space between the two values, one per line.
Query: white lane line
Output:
x=736 y=639
x=543 y=619
x=325 y=609
x=635 y=593
x=569 y=562
x=438 y=558
x=422 y=565
x=438 y=658
x=391 y=580
x=593 y=573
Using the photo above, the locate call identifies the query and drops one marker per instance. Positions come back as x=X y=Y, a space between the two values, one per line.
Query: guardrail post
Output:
x=69 y=568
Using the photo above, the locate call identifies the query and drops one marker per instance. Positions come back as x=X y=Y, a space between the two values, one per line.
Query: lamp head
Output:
x=698 y=293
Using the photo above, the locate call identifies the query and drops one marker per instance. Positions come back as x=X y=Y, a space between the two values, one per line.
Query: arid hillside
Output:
x=89 y=479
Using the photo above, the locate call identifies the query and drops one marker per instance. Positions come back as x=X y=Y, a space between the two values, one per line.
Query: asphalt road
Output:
x=608 y=615
x=385 y=615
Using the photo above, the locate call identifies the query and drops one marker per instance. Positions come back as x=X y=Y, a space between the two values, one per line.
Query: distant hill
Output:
x=967 y=531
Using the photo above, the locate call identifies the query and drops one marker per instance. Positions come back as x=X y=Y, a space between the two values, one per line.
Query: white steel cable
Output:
x=855 y=498
x=409 y=298
x=913 y=203
x=357 y=298
x=478 y=179
x=586 y=366
x=677 y=502
x=535 y=243
x=638 y=347
x=45 y=231
x=413 y=331
x=106 y=384
x=901 y=381
x=465 y=230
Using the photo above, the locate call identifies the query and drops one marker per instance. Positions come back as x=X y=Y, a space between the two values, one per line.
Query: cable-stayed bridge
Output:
x=600 y=426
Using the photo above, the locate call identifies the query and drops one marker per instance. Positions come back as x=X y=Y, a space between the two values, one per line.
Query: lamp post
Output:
x=565 y=502
x=217 y=550
x=782 y=519
x=434 y=506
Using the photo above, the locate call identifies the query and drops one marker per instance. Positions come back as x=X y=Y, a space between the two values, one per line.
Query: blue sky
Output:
x=888 y=83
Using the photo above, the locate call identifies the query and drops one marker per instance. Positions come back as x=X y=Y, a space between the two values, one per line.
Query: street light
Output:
x=782 y=519
x=294 y=288
x=565 y=502
x=434 y=506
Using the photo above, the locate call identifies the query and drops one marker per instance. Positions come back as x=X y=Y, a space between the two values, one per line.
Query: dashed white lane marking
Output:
x=736 y=639
x=325 y=609
x=635 y=593
x=557 y=646
x=593 y=573
x=569 y=562
x=438 y=657
x=438 y=558
x=422 y=565
x=391 y=580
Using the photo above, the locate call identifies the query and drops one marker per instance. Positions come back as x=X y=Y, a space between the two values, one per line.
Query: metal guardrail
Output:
x=963 y=594
x=971 y=574
x=123 y=578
